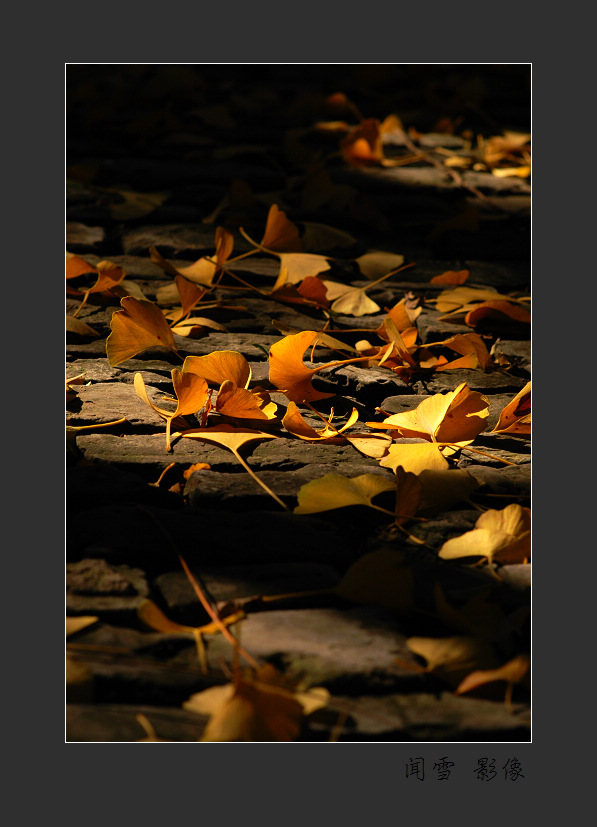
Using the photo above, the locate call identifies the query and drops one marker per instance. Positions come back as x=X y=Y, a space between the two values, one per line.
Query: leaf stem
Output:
x=257 y=480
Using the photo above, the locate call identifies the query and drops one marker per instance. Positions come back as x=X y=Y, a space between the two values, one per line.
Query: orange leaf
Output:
x=363 y=143
x=499 y=310
x=295 y=423
x=451 y=277
x=240 y=403
x=287 y=370
x=515 y=418
x=77 y=266
x=219 y=366
x=137 y=327
x=281 y=235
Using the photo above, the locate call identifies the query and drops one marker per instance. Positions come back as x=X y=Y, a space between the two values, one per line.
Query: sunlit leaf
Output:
x=288 y=372
x=515 y=417
x=453 y=658
x=295 y=423
x=355 y=302
x=219 y=366
x=300 y=265
x=372 y=445
x=138 y=326
x=414 y=457
x=239 y=403
x=498 y=310
x=376 y=263
x=76 y=624
x=501 y=536
x=335 y=491
x=517 y=670
x=191 y=394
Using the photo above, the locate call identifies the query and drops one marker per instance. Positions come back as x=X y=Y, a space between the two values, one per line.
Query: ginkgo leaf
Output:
x=449 y=300
x=517 y=670
x=295 y=423
x=372 y=445
x=322 y=337
x=288 y=372
x=499 y=310
x=233 y=439
x=300 y=265
x=281 y=235
x=311 y=290
x=467 y=344
x=456 y=277
x=393 y=335
x=414 y=457
x=240 y=403
x=189 y=293
x=77 y=266
x=402 y=316
x=379 y=578
x=456 y=417
x=219 y=366
x=515 y=417
x=137 y=327
x=363 y=144
x=335 y=491
x=453 y=658
x=196 y=324
x=78 y=327
x=377 y=262
x=76 y=624
x=501 y=536
x=355 y=302
x=150 y=614
x=191 y=394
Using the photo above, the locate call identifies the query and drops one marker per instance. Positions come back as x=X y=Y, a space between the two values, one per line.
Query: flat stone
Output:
x=432 y=330
x=237 y=582
x=117 y=722
x=156 y=374
x=518 y=353
x=109 y=401
x=477 y=380
x=342 y=649
x=94 y=586
x=509 y=479
x=426 y=717
x=248 y=344
x=81 y=239
x=369 y=385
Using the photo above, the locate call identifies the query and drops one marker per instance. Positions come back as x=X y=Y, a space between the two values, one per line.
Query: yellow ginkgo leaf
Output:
x=517 y=670
x=456 y=417
x=191 y=394
x=377 y=262
x=77 y=266
x=414 y=457
x=335 y=491
x=468 y=344
x=137 y=327
x=515 y=417
x=501 y=536
x=219 y=366
x=78 y=327
x=76 y=624
x=300 y=265
x=295 y=423
x=449 y=300
x=372 y=445
x=355 y=302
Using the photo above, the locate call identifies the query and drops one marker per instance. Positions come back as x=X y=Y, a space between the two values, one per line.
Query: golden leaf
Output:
x=502 y=536
x=414 y=457
x=137 y=327
x=281 y=235
x=288 y=372
x=295 y=424
x=452 y=658
x=219 y=366
x=515 y=417
x=335 y=491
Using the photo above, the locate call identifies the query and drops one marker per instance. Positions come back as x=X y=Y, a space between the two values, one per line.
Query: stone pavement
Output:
x=218 y=147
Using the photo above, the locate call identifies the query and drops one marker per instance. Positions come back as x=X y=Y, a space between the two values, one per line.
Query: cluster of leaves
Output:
x=417 y=445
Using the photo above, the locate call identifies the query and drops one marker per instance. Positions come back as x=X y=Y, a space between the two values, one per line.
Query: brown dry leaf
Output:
x=517 y=670
x=80 y=328
x=281 y=235
x=219 y=366
x=191 y=395
x=451 y=277
x=295 y=424
x=239 y=403
x=453 y=418
x=288 y=372
x=498 y=310
x=515 y=418
x=377 y=263
x=137 y=327
x=414 y=457
x=76 y=624
x=502 y=536
x=335 y=491
x=380 y=578
x=453 y=658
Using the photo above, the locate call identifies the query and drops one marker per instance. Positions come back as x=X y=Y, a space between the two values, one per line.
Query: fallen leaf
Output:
x=371 y=445
x=137 y=327
x=363 y=145
x=451 y=277
x=515 y=417
x=195 y=325
x=511 y=172
x=219 y=366
x=77 y=266
x=355 y=302
x=453 y=658
x=281 y=235
x=76 y=624
x=240 y=403
x=498 y=310
x=376 y=263
x=453 y=418
x=288 y=372
x=80 y=328
x=501 y=536
x=300 y=265
x=335 y=491
x=295 y=423
x=191 y=395
x=414 y=457
x=449 y=300
x=517 y=670
x=197 y=466
x=135 y=204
